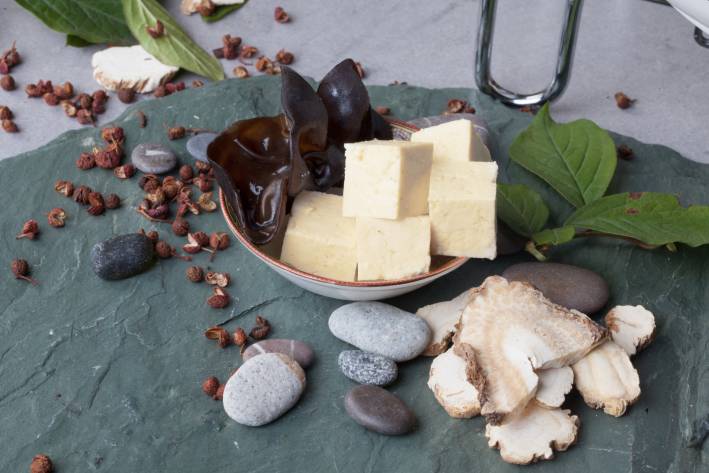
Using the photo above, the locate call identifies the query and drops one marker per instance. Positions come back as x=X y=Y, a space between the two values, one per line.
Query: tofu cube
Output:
x=319 y=240
x=392 y=249
x=387 y=179
x=462 y=209
x=454 y=141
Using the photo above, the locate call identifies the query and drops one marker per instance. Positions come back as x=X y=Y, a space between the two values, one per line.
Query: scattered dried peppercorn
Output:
x=64 y=91
x=86 y=161
x=41 y=464
x=280 y=15
x=30 y=230
x=206 y=203
x=241 y=72
x=186 y=172
x=51 y=99
x=69 y=108
x=8 y=83
x=240 y=337
x=220 y=334
x=21 y=270
x=219 y=298
x=176 y=132
x=210 y=386
x=220 y=393
x=113 y=201
x=65 y=188
x=248 y=51
x=263 y=63
x=204 y=183
x=5 y=113
x=85 y=117
x=156 y=31
x=191 y=247
x=109 y=157
x=180 y=226
x=219 y=241
x=458 y=106
x=206 y=8
x=196 y=84
x=9 y=126
x=163 y=249
x=381 y=110
x=261 y=330
x=195 y=273
x=56 y=217
x=626 y=152
x=217 y=279
x=284 y=57
x=126 y=95
x=623 y=101
x=125 y=171
x=153 y=236
x=81 y=195
x=97 y=206
x=201 y=238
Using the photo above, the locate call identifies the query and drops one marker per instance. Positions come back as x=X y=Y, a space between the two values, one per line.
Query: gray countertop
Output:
x=641 y=48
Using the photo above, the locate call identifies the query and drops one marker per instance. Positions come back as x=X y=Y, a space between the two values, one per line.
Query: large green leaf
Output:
x=223 y=11
x=96 y=21
x=650 y=217
x=175 y=47
x=521 y=208
x=577 y=159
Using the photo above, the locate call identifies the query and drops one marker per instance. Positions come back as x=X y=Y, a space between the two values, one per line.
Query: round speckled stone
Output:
x=381 y=328
x=197 y=145
x=264 y=388
x=122 y=256
x=153 y=158
x=367 y=368
x=564 y=284
x=299 y=351
x=378 y=410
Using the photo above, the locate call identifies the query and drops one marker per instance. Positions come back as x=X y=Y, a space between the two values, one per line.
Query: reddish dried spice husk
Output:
x=56 y=217
x=280 y=15
x=210 y=386
x=30 y=230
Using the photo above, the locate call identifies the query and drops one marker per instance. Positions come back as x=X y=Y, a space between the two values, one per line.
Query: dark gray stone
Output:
x=378 y=410
x=299 y=351
x=153 y=158
x=122 y=256
x=564 y=284
x=197 y=145
x=263 y=389
x=381 y=328
x=367 y=368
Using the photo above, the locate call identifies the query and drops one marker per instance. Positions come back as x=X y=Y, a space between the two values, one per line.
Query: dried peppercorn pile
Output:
x=107 y=375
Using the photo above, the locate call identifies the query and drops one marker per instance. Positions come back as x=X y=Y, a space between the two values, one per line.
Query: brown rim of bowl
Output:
x=453 y=263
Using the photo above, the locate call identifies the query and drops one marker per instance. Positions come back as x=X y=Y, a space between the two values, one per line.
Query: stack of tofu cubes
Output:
x=403 y=201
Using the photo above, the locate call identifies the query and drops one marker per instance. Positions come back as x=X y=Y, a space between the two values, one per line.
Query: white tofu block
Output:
x=319 y=240
x=392 y=249
x=462 y=209
x=387 y=179
x=454 y=141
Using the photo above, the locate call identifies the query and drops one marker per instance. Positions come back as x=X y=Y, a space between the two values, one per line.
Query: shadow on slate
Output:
x=106 y=376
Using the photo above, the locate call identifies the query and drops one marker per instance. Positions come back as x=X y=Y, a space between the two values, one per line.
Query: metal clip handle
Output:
x=489 y=86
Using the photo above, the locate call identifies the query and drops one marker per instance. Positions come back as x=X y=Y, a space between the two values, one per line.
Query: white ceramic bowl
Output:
x=345 y=290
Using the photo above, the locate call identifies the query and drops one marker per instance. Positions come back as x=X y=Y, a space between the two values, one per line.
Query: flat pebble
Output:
x=197 y=145
x=564 y=284
x=153 y=158
x=264 y=388
x=299 y=351
x=381 y=328
x=367 y=368
x=377 y=409
x=122 y=256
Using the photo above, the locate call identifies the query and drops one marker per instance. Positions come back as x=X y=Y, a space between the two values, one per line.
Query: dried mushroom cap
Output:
x=534 y=434
x=448 y=379
x=507 y=331
x=554 y=385
x=131 y=67
x=442 y=319
x=631 y=327
x=607 y=379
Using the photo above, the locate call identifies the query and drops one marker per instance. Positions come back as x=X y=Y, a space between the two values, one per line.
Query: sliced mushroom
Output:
x=448 y=379
x=442 y=318
x=607 y=379
x=507 y=331
x=631 y=327
x=534 y=434
x=130 y=68
x=554 y=385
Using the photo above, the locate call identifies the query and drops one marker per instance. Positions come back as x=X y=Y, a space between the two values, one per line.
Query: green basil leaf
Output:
x=650 y=217
x=521 y=208
x=554 y=236
x=95 y=21
x=76 y=42
x=222 y=11
x=577 y=159
x=175 y=47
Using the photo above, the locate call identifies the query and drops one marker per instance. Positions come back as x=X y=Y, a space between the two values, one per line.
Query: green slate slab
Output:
x=105 y=376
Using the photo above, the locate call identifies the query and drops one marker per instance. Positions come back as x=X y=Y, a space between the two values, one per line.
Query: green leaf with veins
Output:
x=650 y=217
x=222 y=11
x=95 y=21
x=175 y=47
x=521 y=208
x=554 y=236
x=577 y=159
x=76 y=41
